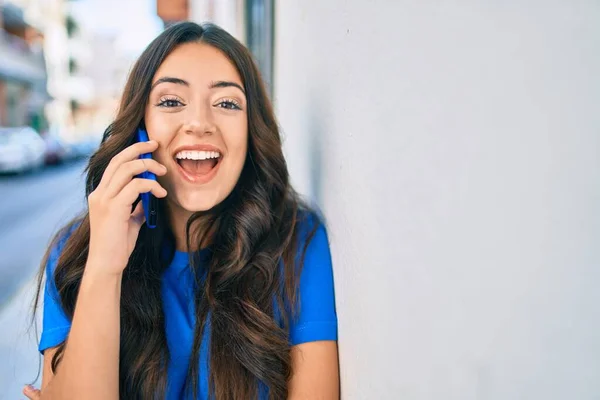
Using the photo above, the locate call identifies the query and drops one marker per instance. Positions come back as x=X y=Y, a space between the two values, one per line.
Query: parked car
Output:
x=84 y=148
x=21 y=149
x=13 y=157
x=56 y=150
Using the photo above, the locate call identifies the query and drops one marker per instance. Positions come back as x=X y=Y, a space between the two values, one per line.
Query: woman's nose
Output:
x=201 y=121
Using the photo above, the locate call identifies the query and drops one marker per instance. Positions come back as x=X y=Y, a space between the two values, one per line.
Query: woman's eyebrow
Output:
x=169 y=79
x=224 y=84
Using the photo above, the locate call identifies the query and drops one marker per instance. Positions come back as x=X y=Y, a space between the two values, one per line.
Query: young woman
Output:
x=231 y=295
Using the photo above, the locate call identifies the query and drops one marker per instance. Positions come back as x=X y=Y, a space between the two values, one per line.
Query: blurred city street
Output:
x=34 y=206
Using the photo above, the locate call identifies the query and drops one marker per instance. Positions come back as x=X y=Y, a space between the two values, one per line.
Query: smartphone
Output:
x=149 y=202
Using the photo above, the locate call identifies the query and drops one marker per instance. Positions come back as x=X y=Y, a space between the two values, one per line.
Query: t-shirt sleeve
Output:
x=56 y=324
x=316 y=319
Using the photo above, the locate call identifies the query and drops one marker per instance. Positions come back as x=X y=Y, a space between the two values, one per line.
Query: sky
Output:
x=134 y=22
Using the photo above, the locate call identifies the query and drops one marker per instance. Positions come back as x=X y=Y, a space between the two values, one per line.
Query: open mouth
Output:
x=198 y=164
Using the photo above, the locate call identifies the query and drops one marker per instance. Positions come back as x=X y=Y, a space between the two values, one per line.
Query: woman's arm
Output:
x=315 y=373
x=89 y=368
x=313 y=331
x=90 y=365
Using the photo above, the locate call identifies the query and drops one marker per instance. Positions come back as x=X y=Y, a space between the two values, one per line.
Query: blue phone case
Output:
x=149 y=202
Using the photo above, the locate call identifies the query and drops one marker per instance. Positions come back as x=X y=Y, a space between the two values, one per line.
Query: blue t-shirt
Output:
x=316 y=320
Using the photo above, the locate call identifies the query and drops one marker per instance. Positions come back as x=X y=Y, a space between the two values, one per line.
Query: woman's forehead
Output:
x=198 y=63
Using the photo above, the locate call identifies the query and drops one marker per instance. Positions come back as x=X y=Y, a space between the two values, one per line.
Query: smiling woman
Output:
x=231 y=296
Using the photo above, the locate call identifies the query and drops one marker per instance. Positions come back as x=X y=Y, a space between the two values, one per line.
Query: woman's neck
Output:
x=178 y=219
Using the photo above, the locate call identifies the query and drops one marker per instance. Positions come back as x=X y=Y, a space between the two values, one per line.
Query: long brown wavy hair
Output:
x=246 y=292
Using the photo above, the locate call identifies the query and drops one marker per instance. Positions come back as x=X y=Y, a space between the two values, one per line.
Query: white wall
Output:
x=455 y=150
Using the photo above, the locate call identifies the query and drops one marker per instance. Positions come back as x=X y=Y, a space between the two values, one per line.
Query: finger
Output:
x=129 y=153
x=32 y=393
x=137 y=186
x=138 y=216
x=130 y=169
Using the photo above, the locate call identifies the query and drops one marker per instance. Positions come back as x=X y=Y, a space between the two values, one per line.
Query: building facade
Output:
x=22 y=70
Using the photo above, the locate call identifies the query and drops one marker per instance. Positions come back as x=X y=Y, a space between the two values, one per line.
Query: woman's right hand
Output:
x=113 y=227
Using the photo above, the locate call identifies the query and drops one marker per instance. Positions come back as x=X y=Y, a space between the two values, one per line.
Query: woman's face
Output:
x=197 y=114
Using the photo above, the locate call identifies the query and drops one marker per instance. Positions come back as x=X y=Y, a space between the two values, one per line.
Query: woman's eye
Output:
x=169 y=103
x=229 y=105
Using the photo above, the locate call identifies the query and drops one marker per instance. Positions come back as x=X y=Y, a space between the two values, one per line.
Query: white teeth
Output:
x=197 y=155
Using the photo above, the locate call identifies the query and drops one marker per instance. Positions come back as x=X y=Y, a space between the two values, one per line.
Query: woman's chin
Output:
x=197 y=202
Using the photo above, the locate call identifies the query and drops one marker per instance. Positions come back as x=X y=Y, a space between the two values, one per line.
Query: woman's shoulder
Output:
x=65 y=233
x=311 y=233
x=59 y=241
x=315 y=317
x=309 y=221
